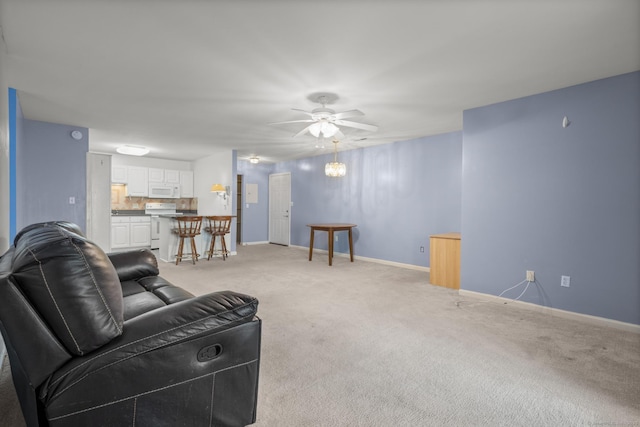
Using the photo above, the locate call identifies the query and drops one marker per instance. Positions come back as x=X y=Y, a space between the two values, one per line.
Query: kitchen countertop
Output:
x=125 y=212
x=137 y=212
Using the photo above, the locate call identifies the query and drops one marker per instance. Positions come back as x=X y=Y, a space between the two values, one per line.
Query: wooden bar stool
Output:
x=188 y=227
x=218 y=226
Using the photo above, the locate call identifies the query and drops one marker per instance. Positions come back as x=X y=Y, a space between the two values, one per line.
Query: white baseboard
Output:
x=594 y=320
x=254 y=243
x=362 y=258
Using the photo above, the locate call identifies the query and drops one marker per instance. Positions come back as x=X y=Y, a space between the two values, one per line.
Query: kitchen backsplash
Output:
x=120 y=201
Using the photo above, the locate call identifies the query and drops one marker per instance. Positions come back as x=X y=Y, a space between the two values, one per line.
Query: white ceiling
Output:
x=187 y=77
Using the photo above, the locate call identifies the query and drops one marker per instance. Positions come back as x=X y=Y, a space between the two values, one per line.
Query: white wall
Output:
x=215 y=169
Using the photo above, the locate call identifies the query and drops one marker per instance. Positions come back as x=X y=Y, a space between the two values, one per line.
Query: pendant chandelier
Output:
x=335 y=169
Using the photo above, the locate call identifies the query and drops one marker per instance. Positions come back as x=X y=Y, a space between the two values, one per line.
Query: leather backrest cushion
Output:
x=134 y=264
x=64 y=224
x=72 y=284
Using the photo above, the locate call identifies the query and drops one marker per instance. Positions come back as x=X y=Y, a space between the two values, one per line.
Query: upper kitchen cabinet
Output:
x=186 y=184
x=164 y=176
x=137 y=181
x=119 y=174
x=156 y=175
x=171 y=176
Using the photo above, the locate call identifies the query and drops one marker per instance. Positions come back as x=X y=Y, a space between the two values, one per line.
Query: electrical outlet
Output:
x=531 y=277
x=336 y=237
x=421 y=248
x=72 y=200
x=565 y=281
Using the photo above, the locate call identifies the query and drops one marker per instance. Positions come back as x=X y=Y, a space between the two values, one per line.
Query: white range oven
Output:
x=154 y=210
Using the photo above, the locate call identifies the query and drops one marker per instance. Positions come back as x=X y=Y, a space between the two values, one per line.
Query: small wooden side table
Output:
x=330 y=229
x=444 y=260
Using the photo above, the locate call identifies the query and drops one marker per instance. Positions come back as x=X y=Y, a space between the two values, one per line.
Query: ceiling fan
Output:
x=325 y=121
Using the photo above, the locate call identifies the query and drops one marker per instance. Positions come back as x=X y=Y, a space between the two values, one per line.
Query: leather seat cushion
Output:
x=140 y=303
x=149 y=293
x=169 y=293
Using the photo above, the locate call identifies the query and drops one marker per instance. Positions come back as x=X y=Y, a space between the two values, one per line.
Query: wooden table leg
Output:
x=330 y=234
x=350 y=245
x=311 y=245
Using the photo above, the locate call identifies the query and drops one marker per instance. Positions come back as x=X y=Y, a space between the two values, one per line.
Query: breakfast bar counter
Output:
x=168 y=240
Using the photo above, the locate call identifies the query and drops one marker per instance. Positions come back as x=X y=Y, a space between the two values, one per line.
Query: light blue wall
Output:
x=51 y=168
x=255 y=216
x=559 y=201
x=398 y=194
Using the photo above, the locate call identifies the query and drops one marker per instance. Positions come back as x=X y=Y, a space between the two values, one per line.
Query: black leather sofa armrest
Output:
x=159 y=346
x=134 y=264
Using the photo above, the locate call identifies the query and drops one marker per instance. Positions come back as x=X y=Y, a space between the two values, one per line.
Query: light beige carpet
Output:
x=366 y=344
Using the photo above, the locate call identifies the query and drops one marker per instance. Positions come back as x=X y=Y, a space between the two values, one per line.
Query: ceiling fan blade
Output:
x=302 y=131
x=303 y=111
x=370 y=128
x=292 y=121
x=345 y=114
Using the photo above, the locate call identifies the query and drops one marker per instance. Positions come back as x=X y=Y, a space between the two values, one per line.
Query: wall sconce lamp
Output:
x=221 y=190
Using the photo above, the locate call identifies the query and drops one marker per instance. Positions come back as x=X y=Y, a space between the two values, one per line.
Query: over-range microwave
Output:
x=164 y=191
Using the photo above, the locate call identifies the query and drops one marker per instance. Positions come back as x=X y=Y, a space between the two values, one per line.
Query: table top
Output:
x=331 y=226
x=453 y=236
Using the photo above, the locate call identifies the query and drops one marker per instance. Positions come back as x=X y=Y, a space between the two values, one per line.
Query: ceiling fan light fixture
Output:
x=254 y=160
x=323 y=127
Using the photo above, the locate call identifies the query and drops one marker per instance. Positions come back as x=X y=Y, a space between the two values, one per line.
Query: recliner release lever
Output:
x=209 y=353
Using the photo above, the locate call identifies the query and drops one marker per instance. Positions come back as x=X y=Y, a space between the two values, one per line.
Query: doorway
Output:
x=279 y=208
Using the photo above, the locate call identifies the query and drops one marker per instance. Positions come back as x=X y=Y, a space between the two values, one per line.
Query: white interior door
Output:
x=279 y=208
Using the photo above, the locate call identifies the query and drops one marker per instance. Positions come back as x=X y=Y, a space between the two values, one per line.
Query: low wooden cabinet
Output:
x=444 y=260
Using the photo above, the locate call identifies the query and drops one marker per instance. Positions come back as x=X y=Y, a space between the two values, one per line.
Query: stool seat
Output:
x=188 y=228
x=219 y=226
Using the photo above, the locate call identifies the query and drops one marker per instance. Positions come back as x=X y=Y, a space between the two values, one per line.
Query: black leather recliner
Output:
x=102 y=340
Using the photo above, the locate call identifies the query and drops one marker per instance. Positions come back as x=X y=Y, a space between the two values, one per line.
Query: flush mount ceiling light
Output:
x=335 y=169
x=254 y=159
x=132 y=150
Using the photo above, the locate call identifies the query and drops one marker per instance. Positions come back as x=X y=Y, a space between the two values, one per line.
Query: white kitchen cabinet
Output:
x=186 y=184
x=171 y=176
x=130 y=232
x=119 y=174
x=156 y=175
x=140 y=231
x=138 y=181
x=120 y=229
